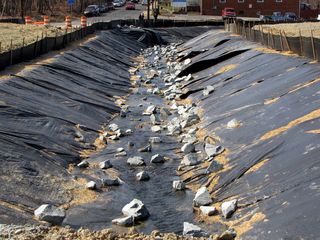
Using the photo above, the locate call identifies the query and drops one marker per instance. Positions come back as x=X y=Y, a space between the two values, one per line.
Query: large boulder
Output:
x=136 y=161
x=191 y=230
x=50 y=214
x=136 y=209
x=202 y=197
x=228 y=208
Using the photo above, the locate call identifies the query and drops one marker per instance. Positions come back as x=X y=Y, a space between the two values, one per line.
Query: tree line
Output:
x=27 y=7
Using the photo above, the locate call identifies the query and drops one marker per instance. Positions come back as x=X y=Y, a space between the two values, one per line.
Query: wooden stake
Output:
x=281 y=43
x=285 y=38
x=301 y=44
x=312 y=44
x=11 y=51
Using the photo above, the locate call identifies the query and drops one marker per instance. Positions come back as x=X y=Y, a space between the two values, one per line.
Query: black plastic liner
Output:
x=265 y=92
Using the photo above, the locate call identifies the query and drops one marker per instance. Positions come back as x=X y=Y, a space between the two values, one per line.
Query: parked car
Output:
x=130 y=6
x=228 y=13
x=102 y=8
x=117 y=3
x=91 y=10
x=277 y=17
x=290 y=17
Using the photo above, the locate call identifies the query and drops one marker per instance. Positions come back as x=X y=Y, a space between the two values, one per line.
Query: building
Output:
x=250 y=8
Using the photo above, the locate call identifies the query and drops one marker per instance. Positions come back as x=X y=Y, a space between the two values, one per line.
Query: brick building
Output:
x=249 y=8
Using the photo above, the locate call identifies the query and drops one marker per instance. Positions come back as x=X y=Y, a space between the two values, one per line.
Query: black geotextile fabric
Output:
x=265 y=92
x=45 y=108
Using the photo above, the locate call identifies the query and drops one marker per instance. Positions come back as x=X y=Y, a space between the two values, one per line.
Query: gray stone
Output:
x=174 y=129
x=124 y=221
x=136 y=209
x=142 y=176
x=165 y=112
x=136 y=161
x=154 y=140
x=156 y=129
x=110 y=182
x=123 y=113
x=120 y=149
x=105 y=164
x=207 y=90
x=202 y=197
x=113 y=127
x=213 y=150
x=208 y=211
x=229 y=234
x=188 y=148
x=157 y=159
x=191 y=230
x=190 y=159
x=214 y=167
x=145 y=149
x=228 y=208
x=91 y=185
x=130 y=144
x=50 y=214
x=121 y=154
x=83 y=164
x=154 y=119
x=178 y=185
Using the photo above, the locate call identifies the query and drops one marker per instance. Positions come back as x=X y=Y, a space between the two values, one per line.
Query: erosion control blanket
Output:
x=52 y=112
x=273 y=140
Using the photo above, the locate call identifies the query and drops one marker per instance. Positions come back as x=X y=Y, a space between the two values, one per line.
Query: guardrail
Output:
x=47 y=44
x=303 y=46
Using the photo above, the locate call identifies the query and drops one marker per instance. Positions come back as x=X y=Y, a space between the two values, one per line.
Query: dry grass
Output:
x=30 y=34
x=293 y=29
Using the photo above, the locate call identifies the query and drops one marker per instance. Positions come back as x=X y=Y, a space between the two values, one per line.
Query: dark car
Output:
x=290 y=17
x=277 y=17
x=102 y=8
x=91 y=10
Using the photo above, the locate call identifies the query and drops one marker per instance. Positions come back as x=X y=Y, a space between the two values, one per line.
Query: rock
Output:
x=188 y=148
x=50 y=214
x=136 y=161
x=123 y=113
x=234 y=123
x=178 y=185
x=165 y=112
x=187 y=61
x=156 y=91
x=190 y=159
x=150 y=110
x=91 y=185
x=191 y=230
x=202 y=197
x=105 y=164
x=110 y=182
x=119 y=133
x=214 y=167
x=128 y=131
x=154 y=119
x=156 y=129
x=121 y=154
x=125 y=221
x=207 y=90
x=113 y=127
x=189 y=77
x=154 y=140
x=213 y=150
x=229 y=234
x=130 y=144
x=142 y=176
x=120 y=149
x=228 y=208
x=208 y=211
x=157 y=159
x=174 y=129
x=136 y=209
x=145 y=149
x=114 y=137
x=83 y=164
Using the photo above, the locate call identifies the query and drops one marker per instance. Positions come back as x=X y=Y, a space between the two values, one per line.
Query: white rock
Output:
x=178 y=185
x=208 y=211
x=50 y=213
x=105 y=164
x=188 y=148
x=150 y=110
x=83 y=164
x=191 y=230
x=187 y=61
x=121 y=154
x=136 y=161
x=120 y=149
x=154 y=140
x=136 y=209
x=142 y=176
x=213 y=150
x=202 y=197
x=234 y=123
x=125 y=221
x=91 y=185
x=207 y=90
x=156 y=129
x=113 y=127
x=228 y=208
x=128 y=131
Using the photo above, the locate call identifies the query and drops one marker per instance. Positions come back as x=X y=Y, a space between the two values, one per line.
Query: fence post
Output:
x=312 y=44
x=262 y=35
x=285 y=37
x=281 y=42
x=301 y=46
x=11 y=52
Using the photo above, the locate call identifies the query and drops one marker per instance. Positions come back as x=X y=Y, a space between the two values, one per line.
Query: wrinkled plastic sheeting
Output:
x=39 y=113
x=278 y=174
